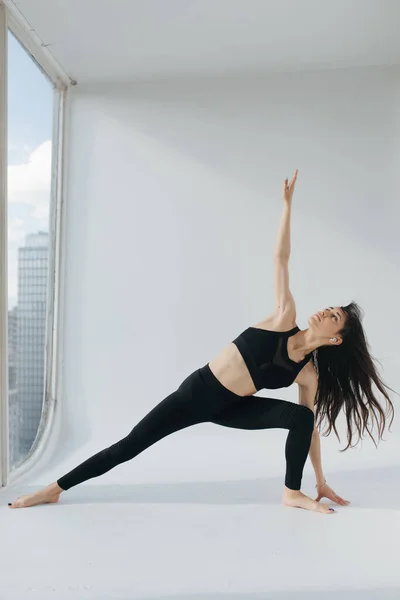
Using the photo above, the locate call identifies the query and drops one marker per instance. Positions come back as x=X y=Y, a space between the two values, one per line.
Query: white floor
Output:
x=204 y=541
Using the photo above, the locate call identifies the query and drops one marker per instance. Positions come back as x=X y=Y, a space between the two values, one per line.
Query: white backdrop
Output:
x=173 y=206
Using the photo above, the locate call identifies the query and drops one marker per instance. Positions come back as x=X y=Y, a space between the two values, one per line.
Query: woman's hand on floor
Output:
x=324 y=491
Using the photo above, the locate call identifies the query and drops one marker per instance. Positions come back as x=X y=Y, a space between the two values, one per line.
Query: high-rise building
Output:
x=31 y=339
x=12 y=386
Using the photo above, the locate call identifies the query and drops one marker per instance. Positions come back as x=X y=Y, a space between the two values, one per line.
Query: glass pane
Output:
x=30 y=121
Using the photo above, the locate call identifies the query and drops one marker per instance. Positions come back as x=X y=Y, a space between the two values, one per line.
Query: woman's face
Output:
x=327 y=322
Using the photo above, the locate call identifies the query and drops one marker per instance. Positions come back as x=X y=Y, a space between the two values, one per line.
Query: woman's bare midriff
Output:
x=231 y=370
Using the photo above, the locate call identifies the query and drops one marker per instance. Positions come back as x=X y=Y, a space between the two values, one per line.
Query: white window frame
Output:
x=12 y=19
x=3 y=250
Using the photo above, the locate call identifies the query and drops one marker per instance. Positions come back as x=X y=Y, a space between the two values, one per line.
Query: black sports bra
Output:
x=266 y=357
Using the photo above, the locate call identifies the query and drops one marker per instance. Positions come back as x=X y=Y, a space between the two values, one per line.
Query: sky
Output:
x=30 y=122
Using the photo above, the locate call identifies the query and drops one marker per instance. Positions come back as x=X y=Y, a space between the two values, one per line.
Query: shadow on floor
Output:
x=317 y=594
x=374 y=488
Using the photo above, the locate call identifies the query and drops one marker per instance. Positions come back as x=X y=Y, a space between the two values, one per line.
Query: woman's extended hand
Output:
x=288 y=189
x=324 y=491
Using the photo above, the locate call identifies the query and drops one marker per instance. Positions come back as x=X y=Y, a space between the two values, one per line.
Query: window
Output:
x=30 y=129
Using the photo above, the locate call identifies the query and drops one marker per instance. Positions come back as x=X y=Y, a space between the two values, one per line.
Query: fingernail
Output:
x=9 y=504
x=332 y=509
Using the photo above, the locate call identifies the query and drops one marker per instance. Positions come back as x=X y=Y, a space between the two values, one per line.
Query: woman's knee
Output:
x=304 y=418
x=121 y=451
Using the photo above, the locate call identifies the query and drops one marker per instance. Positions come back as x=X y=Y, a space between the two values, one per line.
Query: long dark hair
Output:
x=345 y=374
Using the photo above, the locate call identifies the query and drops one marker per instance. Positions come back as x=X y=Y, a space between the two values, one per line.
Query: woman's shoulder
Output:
x=278 y=322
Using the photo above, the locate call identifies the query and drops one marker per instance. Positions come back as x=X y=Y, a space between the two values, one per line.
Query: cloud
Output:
x=29 y=186
x=16 y=230
x=30 y=183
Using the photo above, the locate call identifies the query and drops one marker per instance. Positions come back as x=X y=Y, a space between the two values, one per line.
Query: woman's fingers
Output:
x=294 y=178
x=289 y=187
x=340 y=500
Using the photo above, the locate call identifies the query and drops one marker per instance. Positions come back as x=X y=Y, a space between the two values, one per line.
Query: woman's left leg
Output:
x=254 y=412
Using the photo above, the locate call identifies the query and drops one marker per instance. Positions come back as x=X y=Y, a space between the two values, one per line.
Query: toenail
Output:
x=9 y=504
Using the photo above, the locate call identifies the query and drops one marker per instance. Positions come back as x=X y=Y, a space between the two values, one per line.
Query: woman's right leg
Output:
x=190 y=404
x=169 y=416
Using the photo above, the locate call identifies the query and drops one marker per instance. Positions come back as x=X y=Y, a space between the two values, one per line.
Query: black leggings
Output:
x=201 y=398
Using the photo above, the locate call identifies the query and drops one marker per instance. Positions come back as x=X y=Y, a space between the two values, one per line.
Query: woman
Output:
x=329 y=361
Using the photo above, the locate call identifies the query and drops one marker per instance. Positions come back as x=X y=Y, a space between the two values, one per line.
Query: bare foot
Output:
x=297 y=499
x=47 y=495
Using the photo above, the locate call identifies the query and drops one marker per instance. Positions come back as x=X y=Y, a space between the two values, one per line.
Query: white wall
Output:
x=174 y=200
